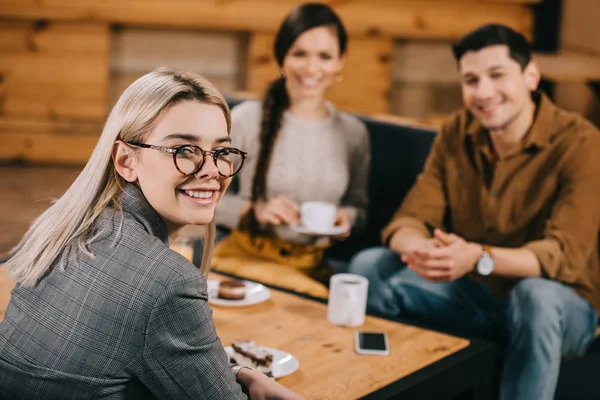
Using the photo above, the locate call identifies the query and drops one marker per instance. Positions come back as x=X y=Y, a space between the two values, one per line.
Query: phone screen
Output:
x=371 y=341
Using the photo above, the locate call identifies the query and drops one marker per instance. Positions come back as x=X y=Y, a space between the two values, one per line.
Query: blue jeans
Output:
x=541 y=320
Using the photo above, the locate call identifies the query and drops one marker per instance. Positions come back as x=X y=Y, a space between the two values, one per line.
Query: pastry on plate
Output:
x=231 y=290
x=248 y=354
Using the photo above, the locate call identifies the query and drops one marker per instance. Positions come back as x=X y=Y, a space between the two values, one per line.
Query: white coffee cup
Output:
x=318 y=215
x=347 y=305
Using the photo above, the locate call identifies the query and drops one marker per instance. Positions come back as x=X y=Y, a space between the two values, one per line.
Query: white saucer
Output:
x=283 y=362
x=255 y=293
x=334 y=231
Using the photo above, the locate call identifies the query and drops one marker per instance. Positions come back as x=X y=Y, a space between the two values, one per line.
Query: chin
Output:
x=202 y=220
x=494 y=123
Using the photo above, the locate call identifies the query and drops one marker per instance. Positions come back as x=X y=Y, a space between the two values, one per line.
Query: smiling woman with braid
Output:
x=300 y=149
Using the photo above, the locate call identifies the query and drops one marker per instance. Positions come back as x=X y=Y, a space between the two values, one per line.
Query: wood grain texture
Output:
x=54 y=71
x=329 y=367
x=580 y=27
x=23 y=139
x=26 y=192
x=6 y=285
x=366 y=80
x=391 y=18
x=569 y=66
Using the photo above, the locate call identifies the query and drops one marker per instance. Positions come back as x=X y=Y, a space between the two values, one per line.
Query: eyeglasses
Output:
x=189 y=159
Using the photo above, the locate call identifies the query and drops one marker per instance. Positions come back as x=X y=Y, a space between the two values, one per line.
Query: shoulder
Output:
x=245 y=124
x=574 y=125
x=457 y=123
x=576 y=141
x=139 y=258
x=452 y=134
x=351 y=126
x=247 y=109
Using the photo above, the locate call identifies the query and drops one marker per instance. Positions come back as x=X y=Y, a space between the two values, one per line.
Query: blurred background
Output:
x=63 y=64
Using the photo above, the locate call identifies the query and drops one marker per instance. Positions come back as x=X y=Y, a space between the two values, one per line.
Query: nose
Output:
x=312 y=64
x=209 y=169
x=485 y=89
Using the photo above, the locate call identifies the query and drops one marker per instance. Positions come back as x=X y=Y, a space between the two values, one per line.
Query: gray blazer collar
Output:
x=134 y=203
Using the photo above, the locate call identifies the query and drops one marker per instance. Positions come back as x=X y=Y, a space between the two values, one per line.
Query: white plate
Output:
x=283 y=362
x=255 y=293
x=336 y=230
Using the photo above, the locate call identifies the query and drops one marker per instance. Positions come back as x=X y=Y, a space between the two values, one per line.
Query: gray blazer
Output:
x=131 y=323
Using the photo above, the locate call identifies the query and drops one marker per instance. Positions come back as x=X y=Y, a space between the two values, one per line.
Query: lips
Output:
x=309 y=82
x=488 y=109
x=200 y=196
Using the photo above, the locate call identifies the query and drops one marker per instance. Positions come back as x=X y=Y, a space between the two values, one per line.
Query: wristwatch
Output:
x=486 y=263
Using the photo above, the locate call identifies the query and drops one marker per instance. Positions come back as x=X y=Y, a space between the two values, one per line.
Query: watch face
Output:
x=485 y=265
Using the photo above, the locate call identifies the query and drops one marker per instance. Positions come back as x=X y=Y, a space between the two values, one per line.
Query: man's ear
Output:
x=124 y=159
x=532 y=76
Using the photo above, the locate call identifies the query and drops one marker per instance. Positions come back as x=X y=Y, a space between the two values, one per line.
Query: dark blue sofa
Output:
x=398 y=155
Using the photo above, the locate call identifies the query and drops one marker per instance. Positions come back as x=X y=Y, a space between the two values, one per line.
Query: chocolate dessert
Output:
x=248 y=354
x=232 y=290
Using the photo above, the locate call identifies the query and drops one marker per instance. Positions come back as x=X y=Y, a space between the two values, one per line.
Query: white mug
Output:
x=318 y=215
x=347 y=305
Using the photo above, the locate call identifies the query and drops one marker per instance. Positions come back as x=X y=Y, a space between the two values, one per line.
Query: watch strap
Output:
x=487 y=249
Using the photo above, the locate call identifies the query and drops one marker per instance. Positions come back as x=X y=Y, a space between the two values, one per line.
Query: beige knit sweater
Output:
x=325 y=160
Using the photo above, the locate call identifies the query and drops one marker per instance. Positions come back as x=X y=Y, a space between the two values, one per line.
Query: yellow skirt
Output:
x=273 y=261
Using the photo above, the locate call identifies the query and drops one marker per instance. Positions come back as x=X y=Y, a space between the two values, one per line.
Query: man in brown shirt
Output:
x=499 y=235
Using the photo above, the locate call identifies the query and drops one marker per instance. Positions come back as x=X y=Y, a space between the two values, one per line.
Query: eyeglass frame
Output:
x=205 y=155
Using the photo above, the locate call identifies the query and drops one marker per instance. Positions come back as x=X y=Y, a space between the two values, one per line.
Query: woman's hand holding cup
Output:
x=276 y=211
x=342 y=219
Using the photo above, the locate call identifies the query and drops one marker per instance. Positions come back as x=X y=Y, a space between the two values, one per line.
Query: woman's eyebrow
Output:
x=224 y=139
x=184 y=136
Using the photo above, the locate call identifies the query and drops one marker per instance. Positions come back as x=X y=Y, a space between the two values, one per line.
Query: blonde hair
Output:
x=67 y=225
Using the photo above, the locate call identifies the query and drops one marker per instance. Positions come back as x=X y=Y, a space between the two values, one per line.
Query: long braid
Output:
x=276 y=101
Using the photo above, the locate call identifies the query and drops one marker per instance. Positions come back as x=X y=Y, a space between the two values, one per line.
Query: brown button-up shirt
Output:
x=545 y=197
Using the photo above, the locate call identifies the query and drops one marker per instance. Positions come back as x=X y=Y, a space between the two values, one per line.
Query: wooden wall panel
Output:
x=365 y=86
x=391 y=18
x=55 y=71
x=47 y=141
x=218 y=56
x=425 y=62
x=579 y=59
x=56 y=66
x=580 y=26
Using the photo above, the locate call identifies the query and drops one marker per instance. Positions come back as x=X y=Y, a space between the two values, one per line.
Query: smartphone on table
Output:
x=374 y=343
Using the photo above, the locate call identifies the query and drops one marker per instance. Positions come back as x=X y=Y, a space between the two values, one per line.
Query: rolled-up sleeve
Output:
x=183 y=357
x=571 y=232
x=425 y=204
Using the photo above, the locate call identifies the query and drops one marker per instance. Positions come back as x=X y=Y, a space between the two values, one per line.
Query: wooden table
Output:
x=422 y=363
x=329 y=367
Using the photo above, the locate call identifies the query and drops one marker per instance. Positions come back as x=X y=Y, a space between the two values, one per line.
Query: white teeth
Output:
x=199 y=194
x=309 y=81
x=487 y=108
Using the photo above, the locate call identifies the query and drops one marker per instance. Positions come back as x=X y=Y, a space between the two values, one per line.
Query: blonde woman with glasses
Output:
x=102 y=307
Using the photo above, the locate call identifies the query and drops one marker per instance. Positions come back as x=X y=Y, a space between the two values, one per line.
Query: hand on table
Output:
x=444 y=258
x=276 y=211
x=258 y=386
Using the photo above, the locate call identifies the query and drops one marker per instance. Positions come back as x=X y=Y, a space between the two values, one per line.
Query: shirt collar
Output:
x=134 y=203
x=539 y=133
